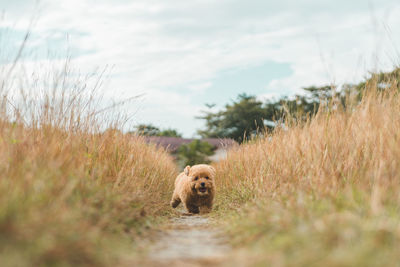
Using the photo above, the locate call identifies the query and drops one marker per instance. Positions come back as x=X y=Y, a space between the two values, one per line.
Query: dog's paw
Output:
x=174 y=204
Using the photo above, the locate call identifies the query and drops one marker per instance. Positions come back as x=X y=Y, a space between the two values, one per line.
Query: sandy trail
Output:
x=189 y=241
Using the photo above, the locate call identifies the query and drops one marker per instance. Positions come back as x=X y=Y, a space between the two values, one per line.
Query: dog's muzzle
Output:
x=203 y=189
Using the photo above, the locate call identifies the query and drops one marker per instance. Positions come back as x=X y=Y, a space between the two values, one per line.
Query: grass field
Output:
x=320 y=193
x=71 y=193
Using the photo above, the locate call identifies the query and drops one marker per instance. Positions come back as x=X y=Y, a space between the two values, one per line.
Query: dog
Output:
x=195 y=188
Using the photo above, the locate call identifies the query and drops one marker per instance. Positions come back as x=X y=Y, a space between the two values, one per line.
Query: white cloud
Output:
x=199 y=87
x=162 y=47
x=169 y=109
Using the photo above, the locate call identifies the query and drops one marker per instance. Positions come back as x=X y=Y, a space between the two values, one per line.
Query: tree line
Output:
x=247 y=116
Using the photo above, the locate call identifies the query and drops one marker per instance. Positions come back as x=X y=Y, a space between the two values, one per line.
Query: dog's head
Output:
x=202 y=178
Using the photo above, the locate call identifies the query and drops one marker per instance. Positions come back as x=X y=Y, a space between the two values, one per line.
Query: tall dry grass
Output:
x=71 y=192
x=324 y=192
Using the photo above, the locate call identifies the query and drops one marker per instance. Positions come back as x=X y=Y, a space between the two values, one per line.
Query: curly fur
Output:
x=195 y=188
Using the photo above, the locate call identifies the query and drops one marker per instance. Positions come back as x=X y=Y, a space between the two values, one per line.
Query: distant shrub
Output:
x=195 y=152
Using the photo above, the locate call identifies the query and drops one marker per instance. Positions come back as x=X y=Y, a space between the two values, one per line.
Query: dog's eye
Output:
x=196 y=178
x=207 y=177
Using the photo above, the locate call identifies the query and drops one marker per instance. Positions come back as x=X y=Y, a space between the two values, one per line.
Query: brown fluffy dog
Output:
x=195 y=188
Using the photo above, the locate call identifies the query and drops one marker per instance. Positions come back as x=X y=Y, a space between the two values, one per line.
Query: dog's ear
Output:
x=186 y=170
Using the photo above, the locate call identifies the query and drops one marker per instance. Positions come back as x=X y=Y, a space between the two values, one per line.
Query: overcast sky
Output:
x=183 y=54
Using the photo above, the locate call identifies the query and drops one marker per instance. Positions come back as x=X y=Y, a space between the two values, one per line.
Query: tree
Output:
x=382 y=80
x=247 y=117
x=147 y=130
x=150 y=130
x=170 y=133
x=301 y=106
x=195 y=152
x=239 y=120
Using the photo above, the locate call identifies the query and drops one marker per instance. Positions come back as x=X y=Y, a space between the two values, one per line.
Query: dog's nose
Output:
x=203 y=184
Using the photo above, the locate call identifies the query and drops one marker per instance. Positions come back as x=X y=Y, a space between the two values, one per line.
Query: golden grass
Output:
x=71 y=193
x=325 y=192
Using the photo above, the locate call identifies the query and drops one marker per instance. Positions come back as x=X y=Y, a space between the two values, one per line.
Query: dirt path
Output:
x=189 y=241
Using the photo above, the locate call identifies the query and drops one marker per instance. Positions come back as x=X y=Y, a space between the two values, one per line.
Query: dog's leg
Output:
x=175 y=201
x=193 y=209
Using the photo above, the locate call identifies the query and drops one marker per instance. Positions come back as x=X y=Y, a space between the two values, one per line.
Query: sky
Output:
x=180 y=55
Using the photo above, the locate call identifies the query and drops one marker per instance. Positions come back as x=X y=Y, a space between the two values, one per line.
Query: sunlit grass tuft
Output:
x=71 y=192
x=324 y=192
